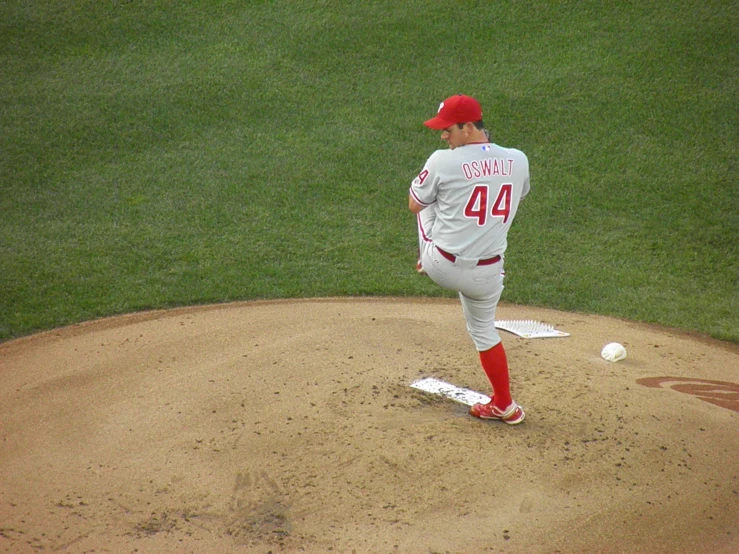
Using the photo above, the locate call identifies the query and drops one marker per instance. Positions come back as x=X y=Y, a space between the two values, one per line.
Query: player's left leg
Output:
x=426 y=219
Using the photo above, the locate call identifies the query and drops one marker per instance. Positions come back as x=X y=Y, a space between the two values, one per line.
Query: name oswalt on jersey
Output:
x=488 y=167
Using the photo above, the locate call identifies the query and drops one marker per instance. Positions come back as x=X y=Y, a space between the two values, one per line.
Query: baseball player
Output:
x=466 y=198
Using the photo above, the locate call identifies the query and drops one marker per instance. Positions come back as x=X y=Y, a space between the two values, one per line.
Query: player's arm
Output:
x=414 y=206
x=526 y=183
x=526 y=188
x=424 y=187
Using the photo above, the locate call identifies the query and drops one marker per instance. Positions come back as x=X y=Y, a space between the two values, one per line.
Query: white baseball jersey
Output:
x=476 y=189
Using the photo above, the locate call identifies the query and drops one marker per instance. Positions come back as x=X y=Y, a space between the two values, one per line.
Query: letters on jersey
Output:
x=489 y=167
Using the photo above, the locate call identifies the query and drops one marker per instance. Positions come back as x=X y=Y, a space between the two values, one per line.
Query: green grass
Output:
x=155 y=154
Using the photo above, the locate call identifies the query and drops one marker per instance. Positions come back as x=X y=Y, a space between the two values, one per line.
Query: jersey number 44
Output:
x=477 y=204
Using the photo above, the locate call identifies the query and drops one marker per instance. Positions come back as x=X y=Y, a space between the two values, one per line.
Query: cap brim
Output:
x=438 y=123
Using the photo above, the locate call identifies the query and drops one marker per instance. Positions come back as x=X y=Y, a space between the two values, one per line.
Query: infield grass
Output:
x=171 y=153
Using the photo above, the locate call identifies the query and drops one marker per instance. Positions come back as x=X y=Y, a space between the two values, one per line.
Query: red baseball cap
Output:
x=455 y=109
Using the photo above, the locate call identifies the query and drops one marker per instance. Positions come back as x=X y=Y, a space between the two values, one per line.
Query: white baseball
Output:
x=613 y=352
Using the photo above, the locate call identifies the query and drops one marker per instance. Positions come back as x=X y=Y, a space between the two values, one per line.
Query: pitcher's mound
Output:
x=290 y=426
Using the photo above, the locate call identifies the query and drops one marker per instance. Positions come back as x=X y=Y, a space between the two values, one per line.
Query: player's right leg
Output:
x=501 y=406
x=480 y=318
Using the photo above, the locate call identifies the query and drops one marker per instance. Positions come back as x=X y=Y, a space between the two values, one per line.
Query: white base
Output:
x=529 y=329
x=447 y=390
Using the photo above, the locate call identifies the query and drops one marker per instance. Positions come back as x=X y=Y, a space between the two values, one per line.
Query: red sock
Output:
x=495 y=364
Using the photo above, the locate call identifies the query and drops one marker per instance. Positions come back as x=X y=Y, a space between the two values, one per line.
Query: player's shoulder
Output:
x=442 y=154
x=440 y=157
x=513 y=153
x=510 y=151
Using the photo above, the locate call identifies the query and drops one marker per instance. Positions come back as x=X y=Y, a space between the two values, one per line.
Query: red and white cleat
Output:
x=513 y=415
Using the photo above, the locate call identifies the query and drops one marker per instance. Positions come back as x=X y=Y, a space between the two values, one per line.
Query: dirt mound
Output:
x=290 y=426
